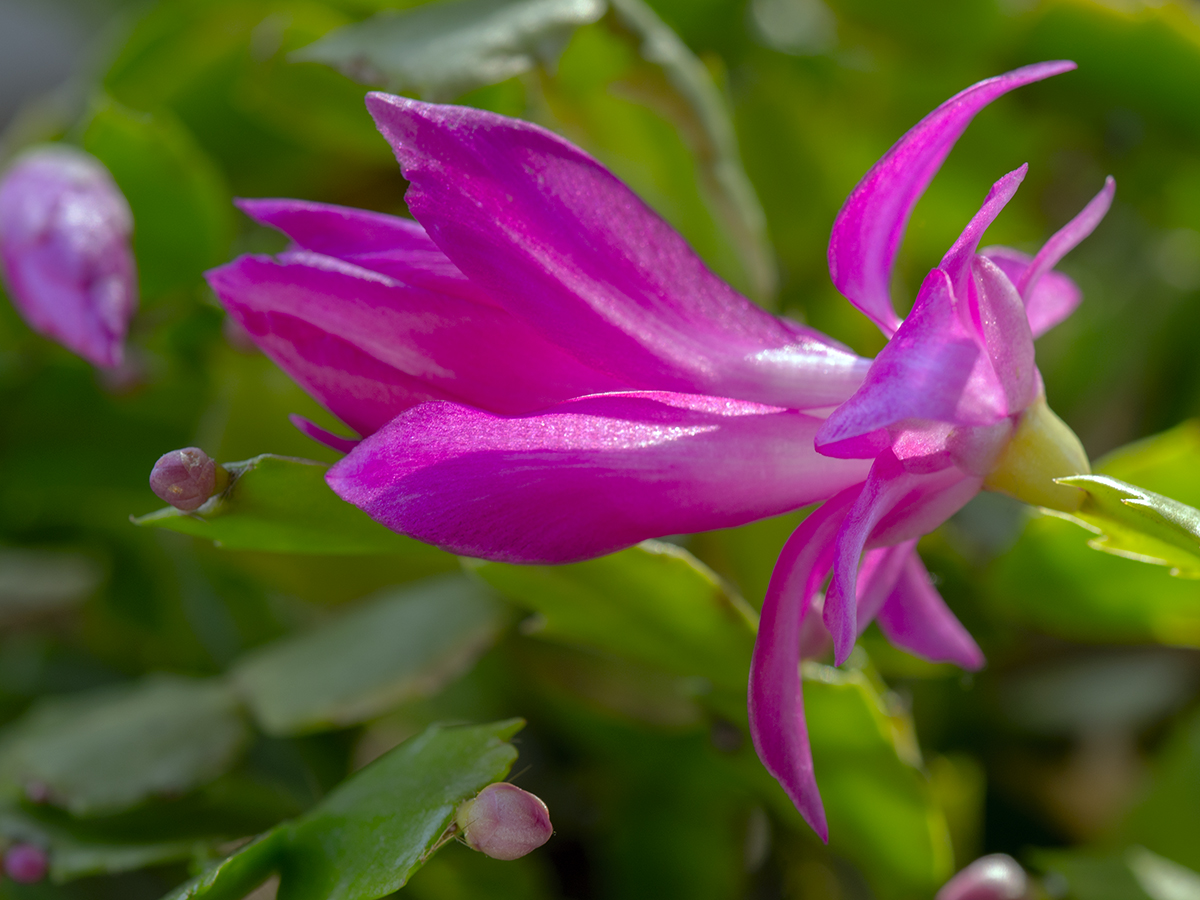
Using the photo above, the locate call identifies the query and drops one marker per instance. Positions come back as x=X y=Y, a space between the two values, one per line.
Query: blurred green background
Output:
x=1077 y=749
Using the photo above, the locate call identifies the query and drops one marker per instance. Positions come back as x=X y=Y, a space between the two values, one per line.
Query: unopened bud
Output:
x=187 y=478
x=64 y=242
x=995 y=877
x=25 y=863
x=504 y=822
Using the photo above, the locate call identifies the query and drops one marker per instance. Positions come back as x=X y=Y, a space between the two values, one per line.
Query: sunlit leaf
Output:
x=1139 y=524
x=107 y=750
x=653 y=603
x=283 y=505
x=402 y=644
x=442 y=50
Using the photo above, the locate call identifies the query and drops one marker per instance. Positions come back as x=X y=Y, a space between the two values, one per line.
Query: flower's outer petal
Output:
x=957 y=261
x=776 y=703
x=894 y=506
x=867 y=231
x=553 y=237
x=418 y=345
x=64 y=243
x=916 y=618
x=587 y=477
x=1068 y=237
x=389 y=245
x=322 y=436
x=1004 y=328
x=1051 y=299
x=931 y=369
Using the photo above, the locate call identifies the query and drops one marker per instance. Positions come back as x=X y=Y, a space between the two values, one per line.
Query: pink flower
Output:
x=64 y=242
x=543 y=372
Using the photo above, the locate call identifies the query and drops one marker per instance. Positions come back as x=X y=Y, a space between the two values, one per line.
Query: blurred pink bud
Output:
x=25 y=863
x=184 y=478
x=504 y=821
x=994 y=877
x=64 y=245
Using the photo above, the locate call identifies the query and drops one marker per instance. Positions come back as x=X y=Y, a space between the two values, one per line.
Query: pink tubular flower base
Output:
x=542 y=371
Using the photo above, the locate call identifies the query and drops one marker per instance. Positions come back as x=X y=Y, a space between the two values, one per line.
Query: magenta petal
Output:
x=1005 y=330
x=776 y=703
x=586 y=477
x=877 y=577
x=894 y=506
x=868 y=230
x=916 y=618
x=957 y=261
x=554 y=238
x=311 y=429
x=390 y=245
x=1068 y=237
x=932 y=368
x=324 y=320
x=1050 y=300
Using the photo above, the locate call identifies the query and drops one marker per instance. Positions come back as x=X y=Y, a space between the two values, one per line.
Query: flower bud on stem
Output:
x=504 y=822
x=187 y=478
x=994 y=877
x=25 y=863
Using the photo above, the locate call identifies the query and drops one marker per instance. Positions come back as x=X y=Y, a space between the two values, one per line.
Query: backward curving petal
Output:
x=588 y=476
x=868 y=229
x=776 y=702
x=1068 y=237
x=894 y=506
x=553 y=237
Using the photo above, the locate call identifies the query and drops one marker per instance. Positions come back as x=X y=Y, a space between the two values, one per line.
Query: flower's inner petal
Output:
x=867 y=231
x=554 y=238
x=932 y=368
x=877 y=576
x=1052 y=297
x=311 y=429
x=1068 y=237
x=427 y=345
x=776 y=705
x=894 y=506
x=587 y=477
x=1004 y=328
x=389 y=245
x=915 y=618
x=957 y=261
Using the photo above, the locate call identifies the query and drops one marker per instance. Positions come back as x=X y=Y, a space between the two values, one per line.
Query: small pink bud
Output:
x=185 y=478
x=25 y=863
x=504 y=821
x=994 y=877
x=64 y=245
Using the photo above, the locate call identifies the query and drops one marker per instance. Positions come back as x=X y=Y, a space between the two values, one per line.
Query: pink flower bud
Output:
x=64 y=245
x=504 y=821
x=25 y=863
x=185 y=478
x=994 y=877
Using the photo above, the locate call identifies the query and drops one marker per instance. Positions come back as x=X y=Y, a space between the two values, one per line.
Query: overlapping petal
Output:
x=392 y=246
x=867 y=231
x=915 y=618
x=1049 y=301
x=553 y=237
x=587 y=477
x=368 y=346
